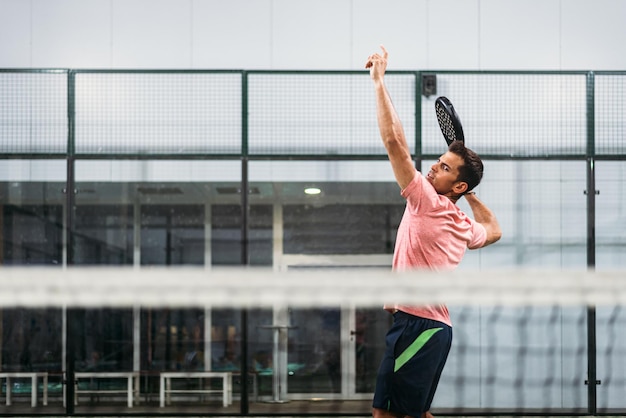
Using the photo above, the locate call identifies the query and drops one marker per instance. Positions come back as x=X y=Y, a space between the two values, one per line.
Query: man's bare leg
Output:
x=382 y=413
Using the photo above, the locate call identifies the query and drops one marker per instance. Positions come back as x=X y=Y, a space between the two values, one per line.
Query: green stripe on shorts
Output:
x=415 y=346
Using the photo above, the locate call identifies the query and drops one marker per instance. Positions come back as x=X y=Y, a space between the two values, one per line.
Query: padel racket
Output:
x=449 y=120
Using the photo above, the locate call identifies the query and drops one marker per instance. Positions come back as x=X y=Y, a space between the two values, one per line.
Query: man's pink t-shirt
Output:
x=433 y=235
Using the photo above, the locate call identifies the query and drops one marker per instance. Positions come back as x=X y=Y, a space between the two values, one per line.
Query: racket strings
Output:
x=446 y=125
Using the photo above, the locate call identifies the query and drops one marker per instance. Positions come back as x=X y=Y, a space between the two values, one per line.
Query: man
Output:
x=433 y=234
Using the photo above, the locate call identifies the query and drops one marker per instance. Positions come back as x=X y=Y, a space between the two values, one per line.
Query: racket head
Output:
x=449 y=121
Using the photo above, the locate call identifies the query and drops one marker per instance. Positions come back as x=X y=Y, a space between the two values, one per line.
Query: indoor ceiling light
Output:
x=312 y=190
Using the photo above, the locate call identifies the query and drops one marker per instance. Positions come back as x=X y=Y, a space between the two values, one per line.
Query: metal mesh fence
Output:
x=158 y=113
x=610 y=114
x=33 y=112
x=322 y=114
x=526 y=115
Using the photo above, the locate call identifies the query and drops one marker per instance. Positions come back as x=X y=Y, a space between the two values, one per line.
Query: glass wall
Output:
x=610 y=199
x=33 y=234
x=333 y=214
x=285 y=170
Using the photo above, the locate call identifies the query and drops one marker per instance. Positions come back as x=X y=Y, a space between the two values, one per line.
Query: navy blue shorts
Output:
x=416 y=351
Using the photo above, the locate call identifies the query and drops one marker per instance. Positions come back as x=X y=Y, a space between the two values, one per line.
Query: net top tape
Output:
x=250 y=287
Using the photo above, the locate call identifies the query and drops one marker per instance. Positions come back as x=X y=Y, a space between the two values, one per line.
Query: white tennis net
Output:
x=245 y=287
x=525 y=341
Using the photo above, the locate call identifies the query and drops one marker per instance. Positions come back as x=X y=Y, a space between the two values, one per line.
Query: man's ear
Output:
x=460 y=187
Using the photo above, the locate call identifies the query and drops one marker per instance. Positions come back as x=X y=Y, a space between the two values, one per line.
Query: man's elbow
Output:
x=493 y=236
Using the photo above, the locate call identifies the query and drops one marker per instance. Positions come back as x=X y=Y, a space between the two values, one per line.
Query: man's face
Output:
x=444 y=173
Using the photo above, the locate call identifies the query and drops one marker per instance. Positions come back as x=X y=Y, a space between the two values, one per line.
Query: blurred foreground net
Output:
x=237 y=287
x=310 y=340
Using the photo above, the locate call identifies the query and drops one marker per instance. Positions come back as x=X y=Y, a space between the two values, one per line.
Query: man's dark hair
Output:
x=471 y=171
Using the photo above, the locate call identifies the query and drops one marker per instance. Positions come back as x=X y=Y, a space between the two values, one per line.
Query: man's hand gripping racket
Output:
x=449 y=120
